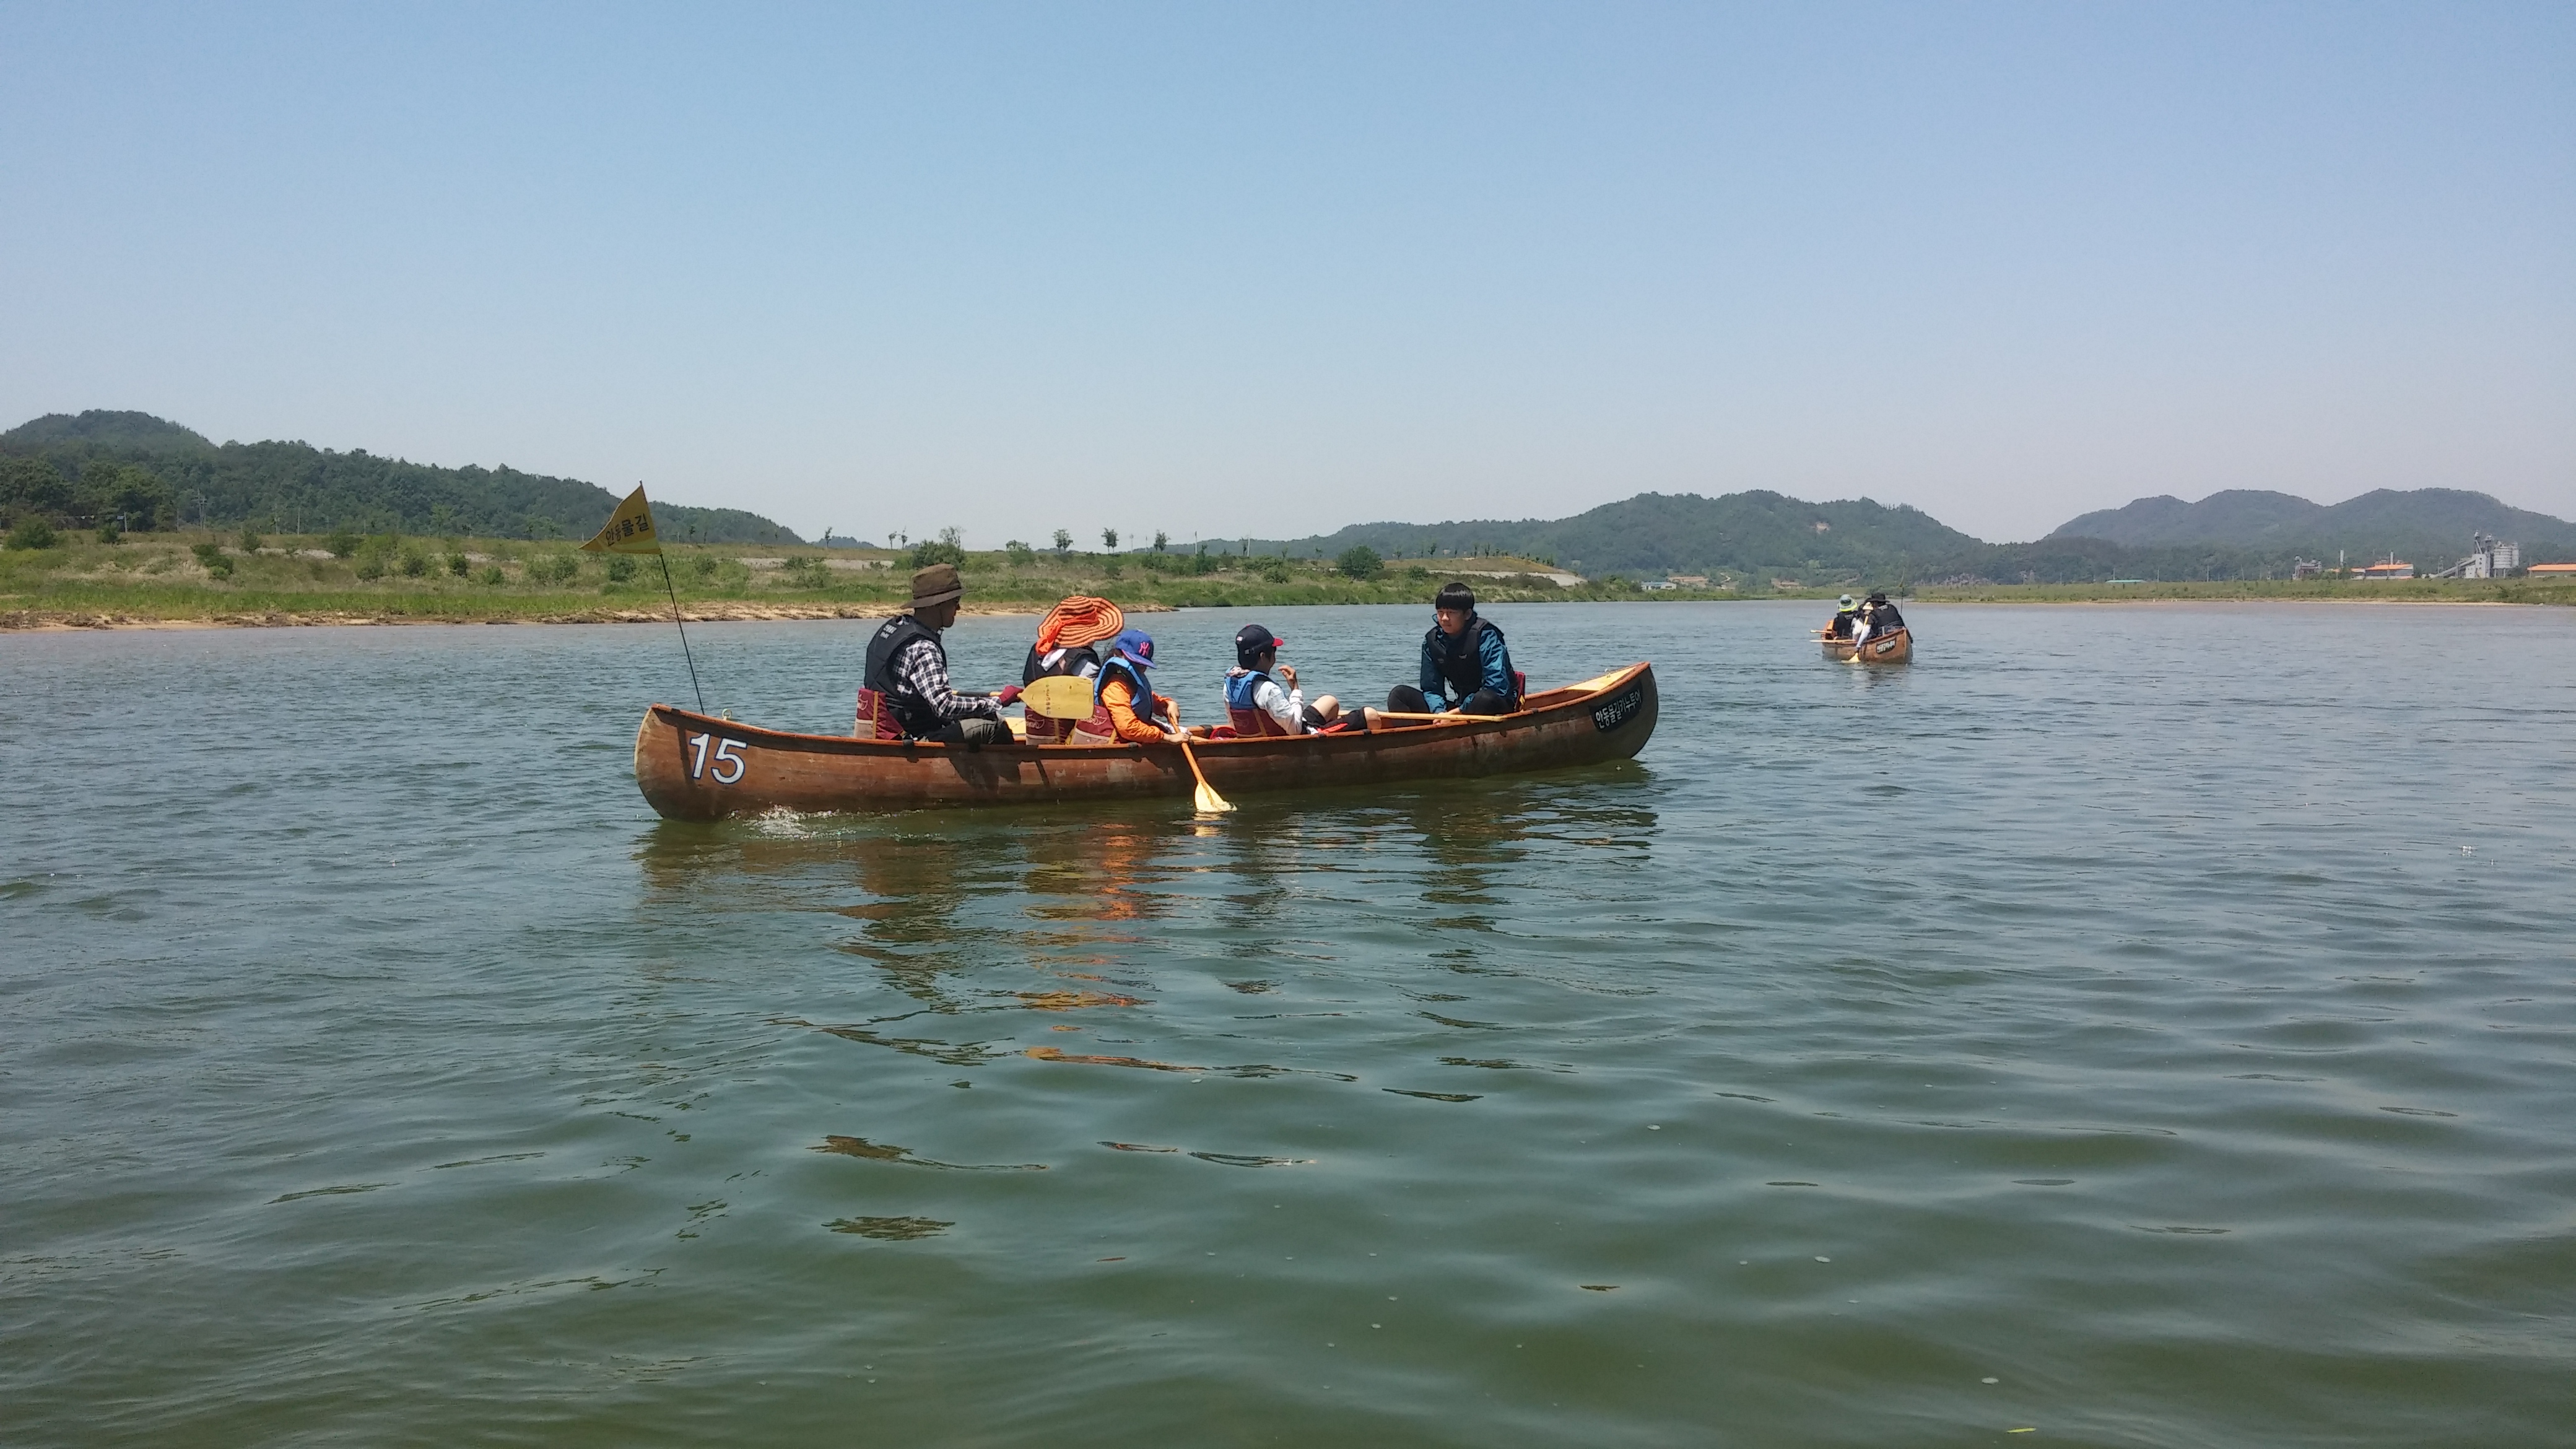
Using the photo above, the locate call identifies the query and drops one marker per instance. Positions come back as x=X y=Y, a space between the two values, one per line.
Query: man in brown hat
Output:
x=908 y=674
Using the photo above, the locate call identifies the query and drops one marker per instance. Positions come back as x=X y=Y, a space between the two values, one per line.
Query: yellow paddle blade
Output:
x=1059 y=696
x=1205 y=799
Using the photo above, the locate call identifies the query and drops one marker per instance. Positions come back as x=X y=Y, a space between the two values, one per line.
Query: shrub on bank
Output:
x=553 y=568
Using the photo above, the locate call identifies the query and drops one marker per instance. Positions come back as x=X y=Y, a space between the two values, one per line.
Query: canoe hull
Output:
x=1891 y=648
x=695 y=767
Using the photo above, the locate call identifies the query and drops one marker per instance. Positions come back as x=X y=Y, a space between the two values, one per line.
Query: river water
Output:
x=2137 y=1026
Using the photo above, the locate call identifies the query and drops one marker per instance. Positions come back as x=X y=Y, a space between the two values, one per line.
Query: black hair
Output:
x=1455 y=595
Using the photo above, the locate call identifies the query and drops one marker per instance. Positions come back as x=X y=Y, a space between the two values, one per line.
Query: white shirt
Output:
x=1288 y=706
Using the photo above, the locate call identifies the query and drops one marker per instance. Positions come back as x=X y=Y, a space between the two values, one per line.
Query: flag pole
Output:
x=683 y=628
x=629 y=530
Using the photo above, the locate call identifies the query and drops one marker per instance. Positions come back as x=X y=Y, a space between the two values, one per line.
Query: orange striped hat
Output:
x=1079 y=620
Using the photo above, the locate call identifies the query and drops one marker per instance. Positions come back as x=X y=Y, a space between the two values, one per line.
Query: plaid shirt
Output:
x=923 y=668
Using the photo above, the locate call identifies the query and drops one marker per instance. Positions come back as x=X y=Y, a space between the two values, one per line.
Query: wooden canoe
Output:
x=695 y=767
x=1894 y=647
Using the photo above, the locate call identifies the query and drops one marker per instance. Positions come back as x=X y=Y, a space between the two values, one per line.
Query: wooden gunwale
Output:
x=682 y=758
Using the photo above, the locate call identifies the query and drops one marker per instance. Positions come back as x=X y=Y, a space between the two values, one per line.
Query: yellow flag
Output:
x=629 y=530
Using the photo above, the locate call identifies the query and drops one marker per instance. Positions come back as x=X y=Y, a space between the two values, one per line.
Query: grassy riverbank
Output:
x=197 y=577
x=178 y=578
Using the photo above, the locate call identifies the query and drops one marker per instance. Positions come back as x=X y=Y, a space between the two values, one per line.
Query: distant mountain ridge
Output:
x=2425 y=525
x=74 y=464
x=1758 y=536
x=1657 y=533
x=107 y=464
x=2260 y=519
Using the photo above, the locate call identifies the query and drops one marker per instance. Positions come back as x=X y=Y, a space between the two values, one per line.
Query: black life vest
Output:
x=1460 y=659
x=913 y=712
x=1116 y=666
x=1068 y=660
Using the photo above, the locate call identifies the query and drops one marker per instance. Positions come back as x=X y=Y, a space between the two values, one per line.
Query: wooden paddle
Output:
x=1063 y=696
x=1059 y=696
x=1205 y=800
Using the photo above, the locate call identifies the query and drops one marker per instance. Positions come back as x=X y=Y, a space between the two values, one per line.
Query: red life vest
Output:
x=1096 y=730
x=876 y=717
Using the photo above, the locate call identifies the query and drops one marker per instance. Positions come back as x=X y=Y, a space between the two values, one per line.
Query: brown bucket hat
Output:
x=936 y=585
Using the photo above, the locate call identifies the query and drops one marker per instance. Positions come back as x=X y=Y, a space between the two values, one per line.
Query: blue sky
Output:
x=1227 y=269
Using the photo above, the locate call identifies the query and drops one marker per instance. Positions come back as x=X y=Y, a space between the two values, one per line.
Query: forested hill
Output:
x=1757 y=533
x=2426 y=526
x=75 y=468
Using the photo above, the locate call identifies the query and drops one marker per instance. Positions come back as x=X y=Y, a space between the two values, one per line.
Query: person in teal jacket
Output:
x=1465 y=662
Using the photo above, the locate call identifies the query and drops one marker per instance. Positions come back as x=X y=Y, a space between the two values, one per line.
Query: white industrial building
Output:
x=2488 y=559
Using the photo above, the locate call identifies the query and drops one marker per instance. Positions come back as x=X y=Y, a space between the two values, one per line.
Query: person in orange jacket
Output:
x=1140 y=715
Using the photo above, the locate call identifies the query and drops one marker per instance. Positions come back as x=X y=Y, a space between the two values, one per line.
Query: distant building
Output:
x=1658 y=584
x=2305 y=568
x=2488 y=559
x=2388 y=568
x=1688 y=581
x=2552 y=571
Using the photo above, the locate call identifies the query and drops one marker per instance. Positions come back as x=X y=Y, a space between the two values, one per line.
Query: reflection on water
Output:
x=1091 y=883
x=2073 y=1058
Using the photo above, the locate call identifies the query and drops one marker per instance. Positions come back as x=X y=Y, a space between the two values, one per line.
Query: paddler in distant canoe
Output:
x=905 y=693
x=1846 y=615
x=1067 y=647
x=1877 y=616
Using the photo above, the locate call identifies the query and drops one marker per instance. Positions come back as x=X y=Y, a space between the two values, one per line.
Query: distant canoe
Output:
x=695 y=767
x=1893 y=647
